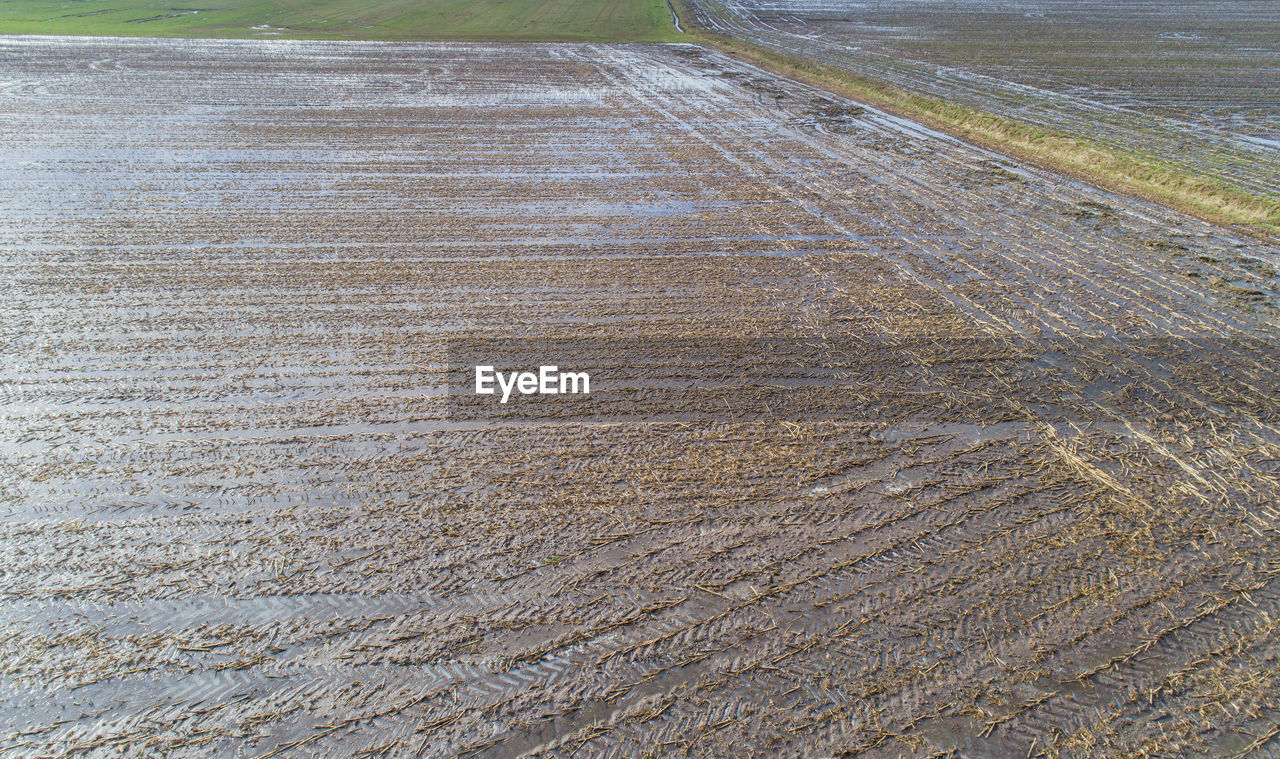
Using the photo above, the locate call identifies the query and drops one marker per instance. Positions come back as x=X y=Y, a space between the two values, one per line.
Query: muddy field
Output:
x=898 y=449
x=1196 y=84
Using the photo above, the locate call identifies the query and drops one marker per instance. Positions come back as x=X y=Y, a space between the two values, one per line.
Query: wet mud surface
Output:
x=1191 y=84
x=900 y=449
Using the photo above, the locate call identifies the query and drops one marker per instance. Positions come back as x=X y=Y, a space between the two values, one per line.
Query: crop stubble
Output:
x=1003 y=479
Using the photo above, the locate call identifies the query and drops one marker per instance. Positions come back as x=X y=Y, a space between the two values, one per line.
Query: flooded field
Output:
x=1197 y=84
x=898 y=448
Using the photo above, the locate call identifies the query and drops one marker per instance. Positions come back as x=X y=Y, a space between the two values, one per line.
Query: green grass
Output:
x=556 y=20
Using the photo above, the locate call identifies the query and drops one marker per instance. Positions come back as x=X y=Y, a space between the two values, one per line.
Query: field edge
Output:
x=1103 y=166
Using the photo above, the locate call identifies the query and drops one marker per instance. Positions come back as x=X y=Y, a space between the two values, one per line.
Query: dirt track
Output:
x=992 y=463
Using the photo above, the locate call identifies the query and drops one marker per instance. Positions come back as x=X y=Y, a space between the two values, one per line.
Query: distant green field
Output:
x=569 y=20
